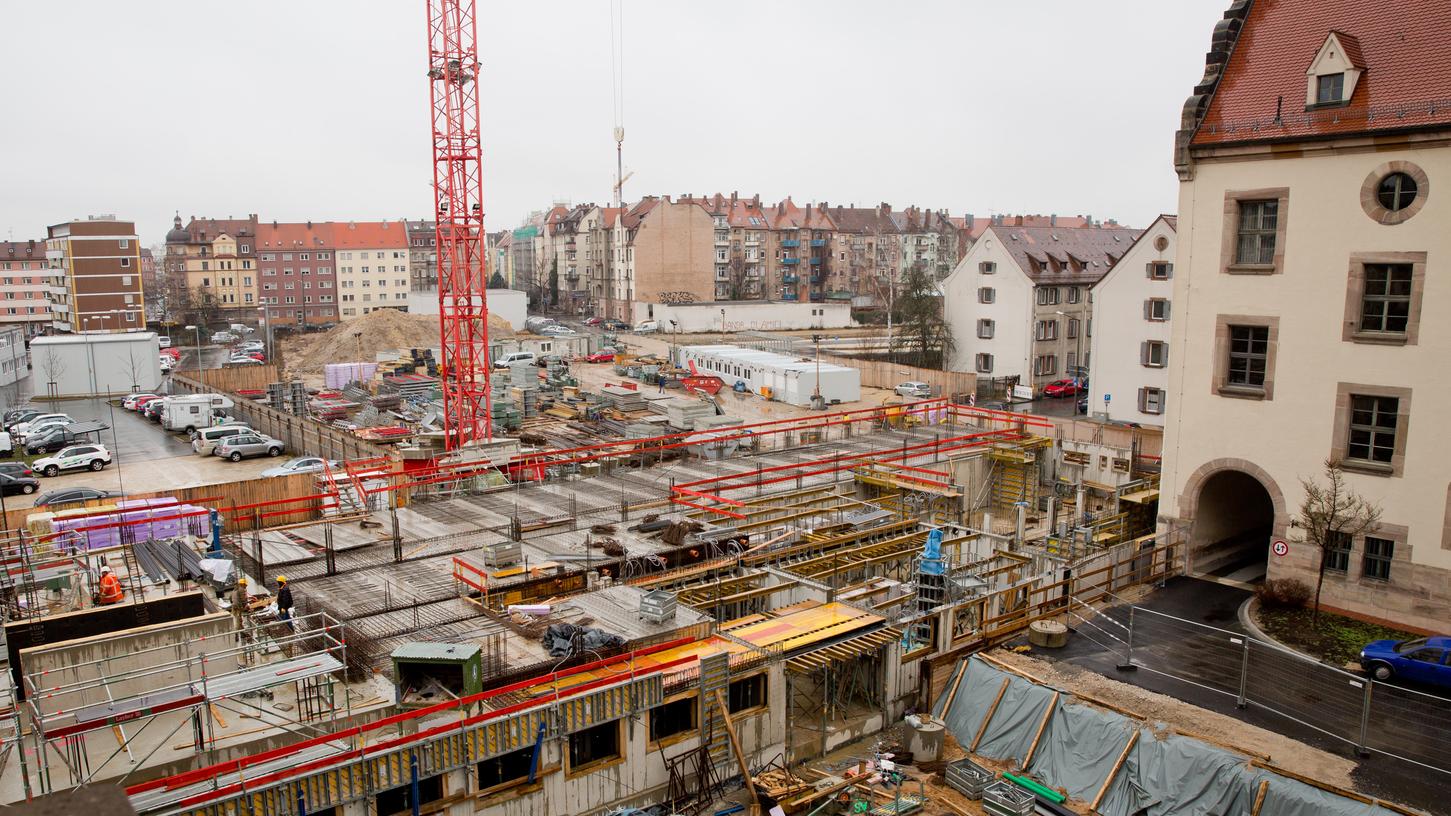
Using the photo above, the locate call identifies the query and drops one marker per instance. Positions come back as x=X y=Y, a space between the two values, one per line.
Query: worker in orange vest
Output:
x=110 y=591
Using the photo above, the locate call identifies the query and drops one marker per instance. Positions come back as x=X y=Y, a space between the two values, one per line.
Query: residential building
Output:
x=801 y=252
x=523 y=252
x=213 y=261
x=866 y=255
x=1129 y=330
x=1308 y=294
x=23 y=286
x=500 y=258
x=742 y=238
x=670 y=255
x=1017 y=303
x=297 y=273
x=423 y=255
x=14 y=361
x=928 y=239
x=563 y=274
x=372 y=266
x=94 y=281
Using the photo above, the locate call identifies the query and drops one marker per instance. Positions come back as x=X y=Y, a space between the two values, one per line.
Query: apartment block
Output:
x=1017 y=303
x=1132 y=307
x=23 y=285
x=94 y=280
x=213 y=264
x=297 y=273
x=372 y=266
x=669 y=255
x=423 y=255
x=1308 y=289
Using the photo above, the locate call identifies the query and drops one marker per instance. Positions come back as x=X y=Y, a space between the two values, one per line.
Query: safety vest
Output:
x=110 y=589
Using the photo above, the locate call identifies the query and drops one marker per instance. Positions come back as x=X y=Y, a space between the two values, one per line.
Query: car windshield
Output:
x=1410 y=645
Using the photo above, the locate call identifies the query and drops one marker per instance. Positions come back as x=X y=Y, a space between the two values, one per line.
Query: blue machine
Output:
x=932 y=561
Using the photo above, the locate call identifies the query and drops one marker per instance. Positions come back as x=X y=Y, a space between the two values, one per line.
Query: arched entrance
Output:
x=1234 y=520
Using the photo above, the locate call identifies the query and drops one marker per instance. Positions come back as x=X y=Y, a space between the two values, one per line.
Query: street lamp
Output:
x=200 y=369
x=267 y=325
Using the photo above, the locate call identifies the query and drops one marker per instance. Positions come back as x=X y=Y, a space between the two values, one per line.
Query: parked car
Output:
x=1063 y=388
x=222 y=338
x=15 y=415
x=22 y=428
x=76 y=457
x=615 y=325
x=70 y=495
x=506 y=360
x=302 y=464
x=594 y=321
x=253 y=345
x=913 y=388
x=205 y=440
x=7 y=445
x=54 y=439
x=258 y=356
x=241 y=446
x=242 y=360
x=1083 y=404
x=647 y=327
x=43 y=428
x=1424 y=660
x=601 y=356
x=166 y=363
x=173 y=352
x=163 y=341
x=557 y=330
x=130 y=402
x=16 y=469
x=10 y=485
x=155 y=409
x=546 y=360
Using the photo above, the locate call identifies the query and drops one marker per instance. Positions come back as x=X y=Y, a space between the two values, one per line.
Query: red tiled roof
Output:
x=1405 y=46
x=609 y=214
x=369 y=235
x=22 y=250
x=293 y=235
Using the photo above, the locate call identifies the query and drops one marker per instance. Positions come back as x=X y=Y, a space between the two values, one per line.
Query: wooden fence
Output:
x=233 y=378
x=234 y=500
x=302 y=435
x=882 y=374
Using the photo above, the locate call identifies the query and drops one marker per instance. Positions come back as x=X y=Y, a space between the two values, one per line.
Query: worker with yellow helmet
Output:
x=284 y=601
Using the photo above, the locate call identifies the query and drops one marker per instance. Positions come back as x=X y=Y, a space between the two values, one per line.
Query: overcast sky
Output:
x=319 y=108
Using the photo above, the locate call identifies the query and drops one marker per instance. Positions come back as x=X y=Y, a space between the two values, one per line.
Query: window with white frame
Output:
x=985 y=363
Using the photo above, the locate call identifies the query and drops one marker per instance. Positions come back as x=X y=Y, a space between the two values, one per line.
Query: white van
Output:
x=647 y=327
x=206 y=439
x=507 y=360
x=163 y=341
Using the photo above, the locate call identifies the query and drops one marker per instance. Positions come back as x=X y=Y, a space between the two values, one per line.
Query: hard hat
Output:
x=282 y=579
x=105 y=568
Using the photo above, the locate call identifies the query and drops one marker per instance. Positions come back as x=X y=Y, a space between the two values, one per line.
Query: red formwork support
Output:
x=463 y=311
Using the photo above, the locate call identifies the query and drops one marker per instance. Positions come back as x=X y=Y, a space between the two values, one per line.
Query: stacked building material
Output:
x=277 y=395
x=332 y=409
x=621 y=398
x=337 y=375
x=145 y=520
x=524 y=388
x=682 y=413
x=410 y=384
x=297 y=398
x=712 y=422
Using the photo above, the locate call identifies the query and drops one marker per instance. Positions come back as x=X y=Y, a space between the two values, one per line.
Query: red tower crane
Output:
x=463 y=311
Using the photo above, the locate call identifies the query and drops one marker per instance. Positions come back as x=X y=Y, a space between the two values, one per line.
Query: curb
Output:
x=1251 y=628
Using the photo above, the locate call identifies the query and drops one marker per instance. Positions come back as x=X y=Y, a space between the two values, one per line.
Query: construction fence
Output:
x=1372 y=716
x=883 y=374
x=234 y=378
x=301 y=435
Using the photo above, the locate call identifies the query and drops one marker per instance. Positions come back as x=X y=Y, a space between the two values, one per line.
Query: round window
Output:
x=1396 y=191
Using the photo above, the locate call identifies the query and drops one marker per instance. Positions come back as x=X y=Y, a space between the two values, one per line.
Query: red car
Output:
x=258 y=356
x=594 y=321
x=173 y=352
x=1063 y=388
x=604 y=356
x=140 y=404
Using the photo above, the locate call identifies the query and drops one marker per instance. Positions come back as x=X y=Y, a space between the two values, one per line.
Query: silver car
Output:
x=244 y=445
x=302 y=464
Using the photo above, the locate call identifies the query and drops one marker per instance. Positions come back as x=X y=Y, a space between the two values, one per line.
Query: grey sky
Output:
x=319 y=109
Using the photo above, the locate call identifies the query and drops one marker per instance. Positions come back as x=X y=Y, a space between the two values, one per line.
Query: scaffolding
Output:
x=212 y=674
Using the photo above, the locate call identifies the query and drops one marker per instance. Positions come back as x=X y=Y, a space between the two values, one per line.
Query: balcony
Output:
x=792 y=244
x=818 y=297
x=790 y=261
x=815 y=260
x=790 y=278
x=818 y=242
x=817 y=277
x=790 y=296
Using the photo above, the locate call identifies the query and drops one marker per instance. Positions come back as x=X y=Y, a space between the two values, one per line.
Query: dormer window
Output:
x=1334 y=71
x=1330 y=89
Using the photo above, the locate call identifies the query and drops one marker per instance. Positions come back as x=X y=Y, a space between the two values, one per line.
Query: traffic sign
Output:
x=1280 y=548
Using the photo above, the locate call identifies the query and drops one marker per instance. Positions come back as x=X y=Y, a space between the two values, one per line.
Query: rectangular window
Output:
x=1377 y=561
x=1074 y=294
x=1154 y=354
x=984 y=363
x=1248 y=353
x=1047 y=330
x=1156 y=309
x=747 y=693
x=1329 y=89
x=1151 y=400
x=501 y=770
x=1337 y=551
x=674 y=717
x=1256 y=241
x=1373 y=423
x=1160 y=270
x=1045 y=365
x=1385 y=305
x=987 y=267
x=986 y=294
x=1073 y=325
x=985 y=328
x=125 y=262
x=594 y=746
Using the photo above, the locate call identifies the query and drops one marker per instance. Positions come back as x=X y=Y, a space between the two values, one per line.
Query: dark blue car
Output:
x=1426 y=660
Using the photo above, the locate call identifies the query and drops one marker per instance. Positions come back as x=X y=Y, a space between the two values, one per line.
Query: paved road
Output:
x=1212 y=660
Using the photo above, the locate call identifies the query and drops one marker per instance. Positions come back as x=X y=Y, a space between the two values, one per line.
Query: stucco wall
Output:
x=1012 y=310
x=1120 y=329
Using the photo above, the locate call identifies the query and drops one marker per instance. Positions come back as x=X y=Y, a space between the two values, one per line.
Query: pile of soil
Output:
x=380 y=330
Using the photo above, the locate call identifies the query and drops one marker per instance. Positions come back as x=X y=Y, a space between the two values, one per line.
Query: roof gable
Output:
x=1074 y=257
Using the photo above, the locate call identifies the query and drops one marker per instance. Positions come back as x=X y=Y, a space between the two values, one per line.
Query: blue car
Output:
x=1426 y=660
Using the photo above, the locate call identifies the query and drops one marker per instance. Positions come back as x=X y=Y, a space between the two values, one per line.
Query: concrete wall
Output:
x=85 y=364
x=1120 y=330
x=744 y=316
x=510 y=304
x=1287 y=435
x=674 y=252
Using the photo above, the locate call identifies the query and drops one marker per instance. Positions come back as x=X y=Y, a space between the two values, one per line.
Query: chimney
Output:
x=309 y=223
x=756 y=199
x=969 y=221
x=1089 y=219
x=1053 y=220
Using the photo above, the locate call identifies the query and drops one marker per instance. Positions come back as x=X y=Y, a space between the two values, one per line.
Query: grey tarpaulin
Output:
x=560 y=639
x=1163 y=774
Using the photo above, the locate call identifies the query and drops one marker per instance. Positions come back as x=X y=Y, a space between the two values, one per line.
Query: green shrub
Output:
x=1284 y=593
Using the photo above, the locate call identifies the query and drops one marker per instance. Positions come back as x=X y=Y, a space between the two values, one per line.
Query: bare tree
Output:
x=134 y=368
x=738 y=281
x=918 y=311
x=53 y=367
x=1333 y=515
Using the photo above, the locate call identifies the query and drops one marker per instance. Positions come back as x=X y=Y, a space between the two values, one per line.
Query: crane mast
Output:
x=453 y=69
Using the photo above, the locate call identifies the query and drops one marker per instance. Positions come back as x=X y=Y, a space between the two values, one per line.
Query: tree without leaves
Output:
x=736 y=268
x=918 y=312
x=1333 y=513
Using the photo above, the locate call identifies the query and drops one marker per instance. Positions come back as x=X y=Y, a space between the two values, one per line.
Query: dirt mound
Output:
x=361 y=338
